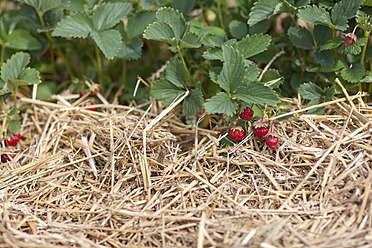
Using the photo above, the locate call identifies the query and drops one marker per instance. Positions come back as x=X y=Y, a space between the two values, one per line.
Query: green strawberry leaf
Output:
x=252 y=45
x=164 y=90
x=174 y=19
x=176 y=73
x=81 y=5
x=221 y=104
x=331 y=44
x=252 y=73
x=325 y=58
x=193 y=103
x=310 y=91
x=354 y=73
x=45 y=5
x=12 y=68
x=353 y=49
x=262 y=10
x=77 y=25
x=184 y=6
x=138 y=23
x=301 y=37
x=238 y=29
x=214 y=53
x=30 y=75
x=190 y=40
x=231 y=78
x=315 y=14
x=214 y=73
x=160 y=31
x=109 y=41
x=14 y=126
x=256 y=92
x=22 y=40
x=107 y=15
x=272 y=78
x=322 y=34
x=132 y=50
x=210 y=40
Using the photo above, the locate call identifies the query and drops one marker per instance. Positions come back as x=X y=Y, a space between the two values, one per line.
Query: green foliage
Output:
x=98 y=25
x=15 y=73
x=316 y=95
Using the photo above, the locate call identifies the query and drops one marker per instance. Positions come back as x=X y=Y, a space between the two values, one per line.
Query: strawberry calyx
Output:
x=94 y=89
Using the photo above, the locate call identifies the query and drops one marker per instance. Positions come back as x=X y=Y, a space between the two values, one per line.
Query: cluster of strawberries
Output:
x=11 y=142
x=261 y=128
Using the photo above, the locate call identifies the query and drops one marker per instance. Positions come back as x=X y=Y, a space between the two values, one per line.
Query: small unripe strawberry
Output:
x=200 y=113
x=350 y=38
x=236 y=133
x=94 y=89
x=247 y=114
x=13 y=141
x=272 y=141
x=261 y=128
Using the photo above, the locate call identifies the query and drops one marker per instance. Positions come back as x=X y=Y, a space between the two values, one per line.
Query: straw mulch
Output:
x=137 y=177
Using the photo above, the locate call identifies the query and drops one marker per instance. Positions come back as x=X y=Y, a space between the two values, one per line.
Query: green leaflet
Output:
x=221 y=103
x=262 y=10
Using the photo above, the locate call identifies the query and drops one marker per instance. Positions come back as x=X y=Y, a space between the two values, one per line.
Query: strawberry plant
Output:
x=13 y=74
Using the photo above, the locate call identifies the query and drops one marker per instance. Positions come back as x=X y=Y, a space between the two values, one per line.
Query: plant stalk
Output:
x=220 y=14
x=99 y=65
x=184 y=65
x=124 y=73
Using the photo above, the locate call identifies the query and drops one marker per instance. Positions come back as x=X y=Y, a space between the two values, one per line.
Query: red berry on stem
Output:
x=272 y=141
x=13 y=140
x=236 y=133
x=261 y=128
x=247 y=114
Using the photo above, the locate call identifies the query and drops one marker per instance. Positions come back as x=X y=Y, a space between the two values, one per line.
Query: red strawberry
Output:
x=261 y=128
x=272 y=140
x=7 y=157
x=247 y=114
x=13 y=140
x=236 y=133
x=200 y=113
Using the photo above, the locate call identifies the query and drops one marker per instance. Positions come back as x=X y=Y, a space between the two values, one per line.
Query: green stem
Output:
x=53 y=44
x=15 y=101
x=99 y=65
x=124 y=73
x=220 y=14
x=366 y=34
x=184 y=65
x=2 y=55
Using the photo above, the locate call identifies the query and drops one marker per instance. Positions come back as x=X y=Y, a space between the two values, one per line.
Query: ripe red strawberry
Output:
x=200 y=113
x=247 y=114
x=272 y=141
x=261 y=128
x=236 y=133
x=13 y=140
x=7 y=157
